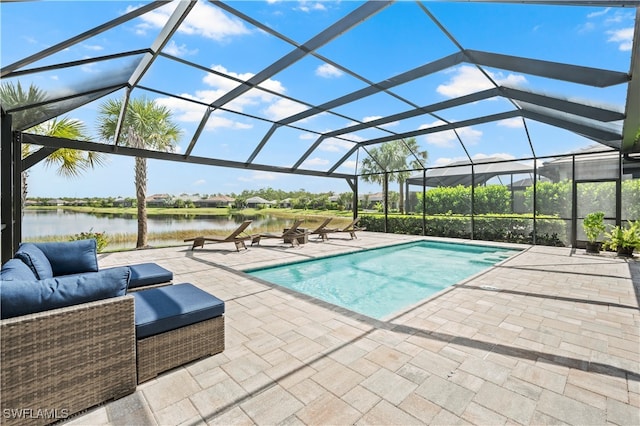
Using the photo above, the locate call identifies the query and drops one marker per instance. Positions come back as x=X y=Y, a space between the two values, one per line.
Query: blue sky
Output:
x=395 y=40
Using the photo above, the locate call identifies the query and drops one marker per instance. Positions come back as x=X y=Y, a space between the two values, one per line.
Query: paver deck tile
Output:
x=271 y=406
x=569 y=410
x=361 y=399
x=446 y=394
x=510 y=404
x=554 y=339
x=328 y=410
x=390 y=386
x=385 y=413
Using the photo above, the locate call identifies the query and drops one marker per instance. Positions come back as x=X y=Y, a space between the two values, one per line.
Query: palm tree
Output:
x=146 y=125
x=70 y=162
x=392 y=157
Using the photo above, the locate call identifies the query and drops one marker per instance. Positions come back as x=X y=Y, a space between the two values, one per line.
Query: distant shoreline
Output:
x=126 y=241
x=208 y=211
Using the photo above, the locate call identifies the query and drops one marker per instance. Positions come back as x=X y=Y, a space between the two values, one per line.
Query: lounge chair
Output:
x=351 y=228
x=238 y=237
x=290 y=235
x=321 y=231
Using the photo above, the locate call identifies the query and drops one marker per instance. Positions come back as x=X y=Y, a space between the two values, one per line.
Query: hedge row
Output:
x=552 y=198
x=549 y=231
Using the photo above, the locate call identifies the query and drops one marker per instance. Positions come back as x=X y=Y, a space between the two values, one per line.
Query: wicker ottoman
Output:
x=175 y=325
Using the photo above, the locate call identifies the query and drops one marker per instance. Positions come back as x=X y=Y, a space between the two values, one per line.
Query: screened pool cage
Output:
x=496 y=141
x=536 y=201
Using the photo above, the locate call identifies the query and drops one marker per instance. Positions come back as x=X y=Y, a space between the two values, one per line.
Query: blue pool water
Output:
x=382 y=281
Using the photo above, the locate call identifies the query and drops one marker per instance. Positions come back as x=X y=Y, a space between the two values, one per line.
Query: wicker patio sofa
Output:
x=79 y=338
x=62 y=361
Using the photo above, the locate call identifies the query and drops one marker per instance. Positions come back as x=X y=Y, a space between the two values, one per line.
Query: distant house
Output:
x=122 y=202
x=215 y=201
x=255 y=202
x=286 y=203
x=373 y=199
x=159 y=200
x=55 y=202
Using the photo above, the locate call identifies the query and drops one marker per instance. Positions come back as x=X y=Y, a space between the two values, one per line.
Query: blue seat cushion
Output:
x=27 y=297
x=143 y=274
x=71 y=257
x=161 y=309
x=35 y=259
x=16 y=270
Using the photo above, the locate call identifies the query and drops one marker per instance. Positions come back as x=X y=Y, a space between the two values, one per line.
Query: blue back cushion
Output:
x=27 y=297
x=16 y=270
x=35 y=259
x=71 y=257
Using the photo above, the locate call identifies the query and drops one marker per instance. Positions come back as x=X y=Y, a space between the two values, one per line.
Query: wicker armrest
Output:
x=60 y=362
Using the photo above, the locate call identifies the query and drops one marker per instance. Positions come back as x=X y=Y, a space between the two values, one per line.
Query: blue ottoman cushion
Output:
x=144 y=274
x=161 y=309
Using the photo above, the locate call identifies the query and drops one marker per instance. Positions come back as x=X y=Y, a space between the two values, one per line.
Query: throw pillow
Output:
x=35 y=259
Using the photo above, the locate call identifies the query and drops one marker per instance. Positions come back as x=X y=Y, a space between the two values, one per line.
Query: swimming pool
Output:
x=379 y=282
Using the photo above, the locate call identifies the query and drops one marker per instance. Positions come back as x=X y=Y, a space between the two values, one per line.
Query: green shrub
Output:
x=512 y=228
x=101 y=238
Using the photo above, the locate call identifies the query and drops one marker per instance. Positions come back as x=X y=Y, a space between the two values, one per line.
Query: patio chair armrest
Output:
x=67 y=360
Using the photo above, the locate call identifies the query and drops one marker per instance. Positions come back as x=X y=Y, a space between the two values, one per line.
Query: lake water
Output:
x=40 y=223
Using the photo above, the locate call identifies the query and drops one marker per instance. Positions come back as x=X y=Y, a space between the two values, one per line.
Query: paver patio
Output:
x=550 y=336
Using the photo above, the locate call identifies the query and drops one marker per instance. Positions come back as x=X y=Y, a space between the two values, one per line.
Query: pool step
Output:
x=492 y=258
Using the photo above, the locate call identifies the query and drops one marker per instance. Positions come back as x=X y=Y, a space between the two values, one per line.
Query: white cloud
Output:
x=375 y=117
x=598 y=13
x=328 y=71
x=172 y=48
x=204 y=20
x=217 y=121
x=258 y=176
x=283 y=108
x=623 y=36
x=316 y=161
x=274 y=107
x=512 y=123
x=193 y=113
x=89 y=68
x=199 y=182
x=469 y=79
x=335 y=145
x=222 y=85
x=308 y=136
x=448 y=139
x=226 y=84
x=93 y=47
x=309 y=6
x=349 y=165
